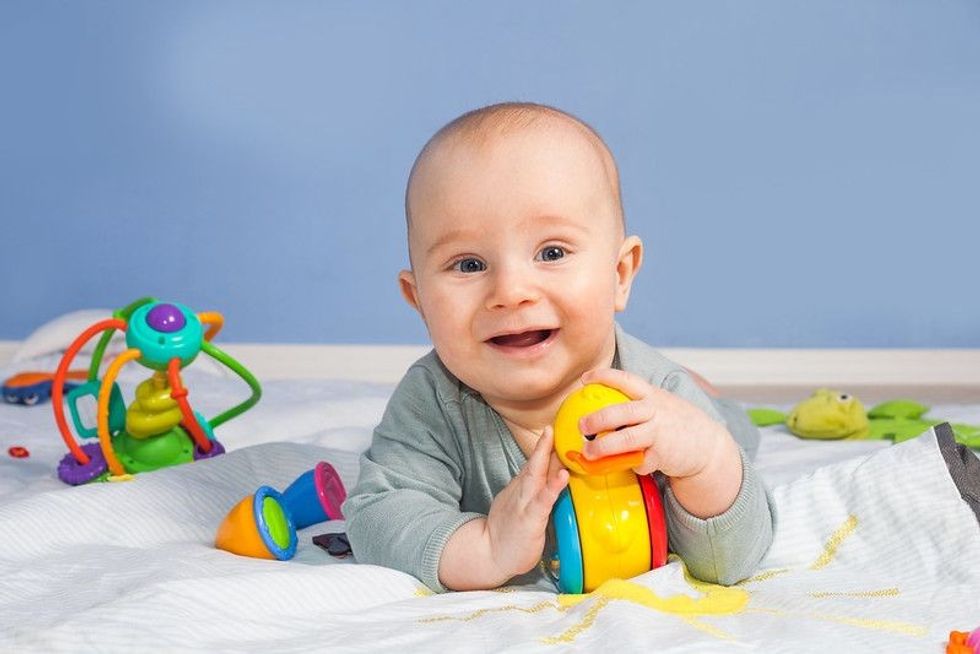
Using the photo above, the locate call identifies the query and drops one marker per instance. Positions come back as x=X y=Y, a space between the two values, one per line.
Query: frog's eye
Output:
x=843 y=397
x=589 y=437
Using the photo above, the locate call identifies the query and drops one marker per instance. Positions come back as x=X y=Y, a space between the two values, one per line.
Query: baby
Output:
x=519 y=263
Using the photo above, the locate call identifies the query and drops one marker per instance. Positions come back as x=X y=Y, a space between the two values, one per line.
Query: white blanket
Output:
x=876 y=551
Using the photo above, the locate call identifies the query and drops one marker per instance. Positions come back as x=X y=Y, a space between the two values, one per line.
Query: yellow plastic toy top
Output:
x=607 y=497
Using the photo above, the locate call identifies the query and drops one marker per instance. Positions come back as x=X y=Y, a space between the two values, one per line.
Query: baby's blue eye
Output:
x=470 y=265
x=551 y=253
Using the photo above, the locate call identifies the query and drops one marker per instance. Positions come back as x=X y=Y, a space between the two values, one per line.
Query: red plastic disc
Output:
x=655 y=520
x=18 y=452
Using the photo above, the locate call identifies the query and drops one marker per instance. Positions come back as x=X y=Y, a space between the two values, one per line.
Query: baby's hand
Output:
x=676 y=437
x=519 y=514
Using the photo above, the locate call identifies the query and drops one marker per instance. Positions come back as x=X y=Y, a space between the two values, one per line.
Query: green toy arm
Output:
x=898 y=409
x=969 y=435
x=241 y=371
x=766 y=417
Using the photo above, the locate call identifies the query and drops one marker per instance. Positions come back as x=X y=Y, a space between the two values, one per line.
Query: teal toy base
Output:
x=571 y=577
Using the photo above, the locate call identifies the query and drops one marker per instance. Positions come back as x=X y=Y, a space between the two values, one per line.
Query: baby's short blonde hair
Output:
x=486 y=123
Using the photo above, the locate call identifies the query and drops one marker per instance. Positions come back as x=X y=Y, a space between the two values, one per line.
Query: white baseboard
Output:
x=821 y=367
x=374 y=363
x=724 y=367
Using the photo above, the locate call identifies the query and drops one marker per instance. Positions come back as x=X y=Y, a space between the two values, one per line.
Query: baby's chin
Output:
x=527 y=390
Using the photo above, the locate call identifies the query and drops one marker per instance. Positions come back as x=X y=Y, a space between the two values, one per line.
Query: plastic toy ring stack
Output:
x=609 y=521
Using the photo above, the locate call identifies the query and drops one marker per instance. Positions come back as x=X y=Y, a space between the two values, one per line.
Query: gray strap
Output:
x=963 y=465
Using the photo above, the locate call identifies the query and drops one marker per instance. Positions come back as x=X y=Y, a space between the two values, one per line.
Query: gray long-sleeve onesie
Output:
x=441 y=454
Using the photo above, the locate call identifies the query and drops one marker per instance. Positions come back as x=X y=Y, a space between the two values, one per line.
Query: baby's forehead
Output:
x=525 y=140
x=548 y=142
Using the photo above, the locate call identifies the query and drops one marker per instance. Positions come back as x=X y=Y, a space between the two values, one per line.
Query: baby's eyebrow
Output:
x=460 y=233
x=448 y=237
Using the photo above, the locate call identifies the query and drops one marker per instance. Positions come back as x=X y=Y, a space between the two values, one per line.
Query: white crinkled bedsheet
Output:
x=875 y=551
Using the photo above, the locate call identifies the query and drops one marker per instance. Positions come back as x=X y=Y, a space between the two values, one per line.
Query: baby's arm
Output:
x=486 y=552
x=405 y=510
x=406 y=503
x=723 y=534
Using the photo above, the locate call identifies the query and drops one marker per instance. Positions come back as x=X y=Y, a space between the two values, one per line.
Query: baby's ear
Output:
x=627 y=265
x=406 y=282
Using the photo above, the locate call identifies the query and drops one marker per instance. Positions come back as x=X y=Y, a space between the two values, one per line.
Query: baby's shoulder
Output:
x=432 y=409
x=429 y=382
x=640 y=358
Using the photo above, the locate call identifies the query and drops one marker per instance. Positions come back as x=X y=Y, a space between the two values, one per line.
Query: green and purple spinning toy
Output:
x=159 y=428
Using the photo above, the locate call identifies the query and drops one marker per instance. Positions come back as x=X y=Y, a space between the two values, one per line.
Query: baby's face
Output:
x=516 y=247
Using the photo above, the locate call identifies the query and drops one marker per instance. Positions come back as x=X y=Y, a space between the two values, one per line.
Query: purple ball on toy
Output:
x=166 y=318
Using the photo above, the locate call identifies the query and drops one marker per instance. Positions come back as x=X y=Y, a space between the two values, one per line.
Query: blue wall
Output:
x=803 y=173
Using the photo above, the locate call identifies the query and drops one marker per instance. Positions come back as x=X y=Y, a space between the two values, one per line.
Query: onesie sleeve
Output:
x=726 y=548
x=745 y=433
x=406 y=503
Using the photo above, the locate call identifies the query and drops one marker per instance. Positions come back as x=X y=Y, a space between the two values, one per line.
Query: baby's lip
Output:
x=519 y=330
x=522 y=337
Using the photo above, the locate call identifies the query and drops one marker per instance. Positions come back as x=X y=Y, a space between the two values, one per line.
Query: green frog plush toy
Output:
x=830 y=414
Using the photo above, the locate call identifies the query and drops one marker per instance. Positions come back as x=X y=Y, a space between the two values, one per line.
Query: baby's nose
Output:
x=512 y=287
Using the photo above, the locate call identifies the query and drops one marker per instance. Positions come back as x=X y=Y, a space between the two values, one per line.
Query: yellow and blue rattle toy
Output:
x=159 y=428
x=609 y=521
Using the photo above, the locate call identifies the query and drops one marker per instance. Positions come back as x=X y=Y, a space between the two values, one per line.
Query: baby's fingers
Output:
x=631 y=439
x=632 y=385
x=537 y=463
x=618 y=416
x=557 y=476
x=551 y=486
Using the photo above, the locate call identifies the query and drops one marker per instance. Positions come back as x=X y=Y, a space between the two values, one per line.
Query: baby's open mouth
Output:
x=523 y=339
